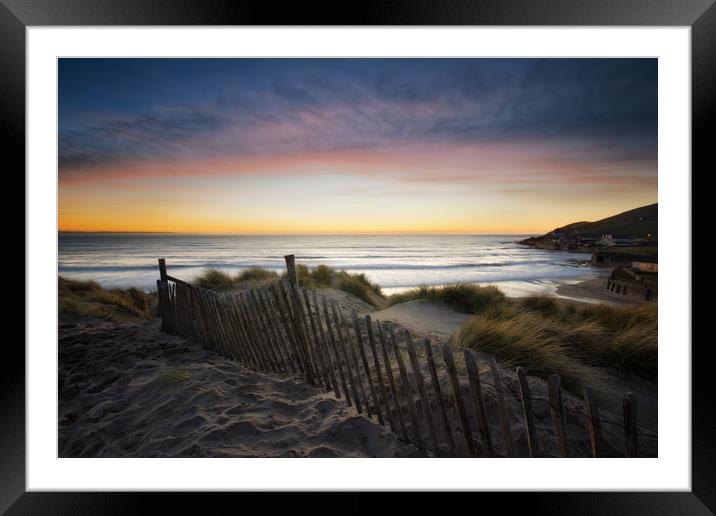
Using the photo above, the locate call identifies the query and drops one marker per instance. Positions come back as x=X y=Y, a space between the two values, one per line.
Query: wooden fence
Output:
x=429 y=396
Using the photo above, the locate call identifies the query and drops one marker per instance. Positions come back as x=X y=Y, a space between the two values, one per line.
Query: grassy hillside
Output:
x=79 y=300
x=637 y=223
x=357 y=285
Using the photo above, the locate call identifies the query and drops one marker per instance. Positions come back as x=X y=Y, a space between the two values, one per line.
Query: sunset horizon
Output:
x=338 y=146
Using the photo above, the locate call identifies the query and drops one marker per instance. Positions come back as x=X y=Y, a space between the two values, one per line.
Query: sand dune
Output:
x=433 y=320
x=132 y=391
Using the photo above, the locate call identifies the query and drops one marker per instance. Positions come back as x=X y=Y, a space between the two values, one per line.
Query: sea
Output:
x=395 y=262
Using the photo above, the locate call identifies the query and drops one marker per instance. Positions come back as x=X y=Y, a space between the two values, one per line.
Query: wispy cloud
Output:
x=601 y=106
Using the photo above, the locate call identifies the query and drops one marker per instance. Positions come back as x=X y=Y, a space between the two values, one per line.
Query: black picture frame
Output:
x=17 y=15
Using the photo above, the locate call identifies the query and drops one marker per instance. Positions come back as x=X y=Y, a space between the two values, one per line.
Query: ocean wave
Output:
x=359 y=267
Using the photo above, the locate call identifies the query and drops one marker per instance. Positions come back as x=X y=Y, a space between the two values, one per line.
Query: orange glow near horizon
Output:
x=488 y=189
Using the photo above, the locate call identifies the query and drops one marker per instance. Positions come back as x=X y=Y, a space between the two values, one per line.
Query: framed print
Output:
x=294 y=252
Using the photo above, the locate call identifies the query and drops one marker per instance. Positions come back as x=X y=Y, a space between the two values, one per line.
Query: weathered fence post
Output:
x=366 y=368
x=381 y=386
x=502 y=408
x=162 y=269
x=351 y=363
x=425 y=400
x=338 y=351
x=439 y=395
x=408 y=391
x=318 y=350
x=391 y=382
x=457 y=395
x=630 y=425
x=325 y=347
x=593 y=426
x=558 y=417
x=473 y=373
x=532 y=440
x=291 y=268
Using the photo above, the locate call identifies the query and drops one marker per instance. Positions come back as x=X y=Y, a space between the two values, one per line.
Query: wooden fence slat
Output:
x=276 y=335
x=201 y=332
x=229 y=328
x=528 y=413
x=478 y=401
x=251 y=332
x=339 y=363
x=630 y=425
x=300 y=336
x=317 y=348
x=222 y=326
x=238 y=330
x=593 y=425
x=210 y=325
x=422 y=391
x=457 y=396
x=310 y=339
x=391 y=383
x=447 y=431
x=161 y=303
x=364 y=360
x=259 y=341
x=356 y=381
x=214 y=328
x=556 y=407
x=351 y=363
x=290 y=335
x=207 y=321
x=408 y=391
x=381 y=386
x=244 y=333
x=271 y=350
x=326 y=347
x=502 y=409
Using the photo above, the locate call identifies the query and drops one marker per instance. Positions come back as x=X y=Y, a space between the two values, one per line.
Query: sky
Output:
x=353 y=145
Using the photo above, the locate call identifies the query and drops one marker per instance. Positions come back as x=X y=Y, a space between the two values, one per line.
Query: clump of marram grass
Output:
x=215 y=279
x=462 y=297
x=360 y=286
x=545 y=336
x=255 y=274
x=89 y=299
x=542 y=304
x=323 y=275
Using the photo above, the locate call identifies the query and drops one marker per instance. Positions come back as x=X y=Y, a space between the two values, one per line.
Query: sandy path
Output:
x=131 y=391
x=434 y=320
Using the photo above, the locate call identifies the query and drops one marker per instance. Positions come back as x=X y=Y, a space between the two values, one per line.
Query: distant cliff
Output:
x=639 y=223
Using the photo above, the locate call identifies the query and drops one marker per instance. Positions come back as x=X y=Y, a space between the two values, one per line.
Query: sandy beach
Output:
x=131 y=391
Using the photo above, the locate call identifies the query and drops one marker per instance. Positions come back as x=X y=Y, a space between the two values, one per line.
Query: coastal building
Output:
x=606 y=241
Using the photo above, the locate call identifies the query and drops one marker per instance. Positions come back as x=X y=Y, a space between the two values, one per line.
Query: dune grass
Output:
x=218 y=280
x=461 y=297
x=89 y=299
x=321 y=276
x=215 y=279
x=545 y=335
